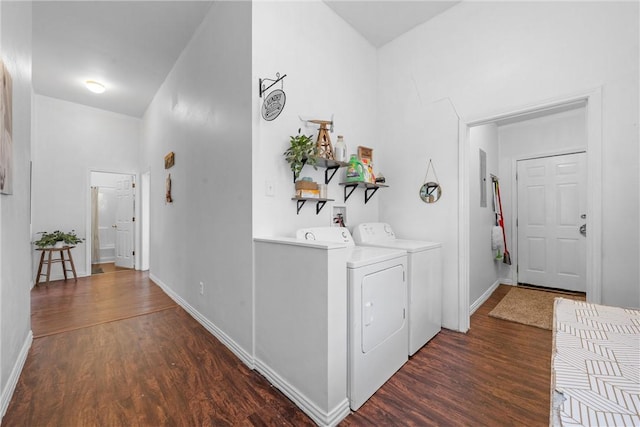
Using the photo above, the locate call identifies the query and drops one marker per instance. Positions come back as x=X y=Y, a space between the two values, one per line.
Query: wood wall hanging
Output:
x=169 y=160
x=167 y=196
x=273 y=103
x=431 y=191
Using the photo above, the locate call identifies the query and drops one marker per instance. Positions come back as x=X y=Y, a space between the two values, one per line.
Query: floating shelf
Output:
x=369 y=189
x=319 y=203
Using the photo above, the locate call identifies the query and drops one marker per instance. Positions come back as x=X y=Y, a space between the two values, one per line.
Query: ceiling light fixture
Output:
x=94 y=86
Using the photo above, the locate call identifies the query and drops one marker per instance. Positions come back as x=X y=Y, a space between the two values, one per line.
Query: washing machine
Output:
x=424 y=281
x=377 y=312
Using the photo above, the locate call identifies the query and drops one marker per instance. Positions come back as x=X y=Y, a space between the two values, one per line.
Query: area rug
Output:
x=529 y=306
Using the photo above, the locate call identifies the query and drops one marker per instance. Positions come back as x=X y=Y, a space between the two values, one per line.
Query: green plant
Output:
x=301 y=151
x=50 y=239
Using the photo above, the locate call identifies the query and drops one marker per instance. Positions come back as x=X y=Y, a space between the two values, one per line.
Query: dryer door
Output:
x=383 y=306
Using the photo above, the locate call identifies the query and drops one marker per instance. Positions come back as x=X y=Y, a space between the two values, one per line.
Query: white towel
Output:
x=496 y=238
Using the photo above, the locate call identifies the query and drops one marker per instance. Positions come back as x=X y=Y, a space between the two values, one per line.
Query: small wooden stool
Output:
x=50 y=261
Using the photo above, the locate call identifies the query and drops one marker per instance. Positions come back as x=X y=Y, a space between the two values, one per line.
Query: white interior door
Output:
x=124 y=222
x=551 y=210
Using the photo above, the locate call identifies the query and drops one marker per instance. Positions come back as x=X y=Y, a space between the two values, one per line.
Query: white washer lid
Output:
x=410 y=246
x=360 y=256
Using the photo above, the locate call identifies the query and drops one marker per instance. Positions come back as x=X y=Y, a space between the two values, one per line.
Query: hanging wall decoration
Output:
x=431 y=191
x=167 y=196
x=274 y=102
x=6 y=131
x=169 y=160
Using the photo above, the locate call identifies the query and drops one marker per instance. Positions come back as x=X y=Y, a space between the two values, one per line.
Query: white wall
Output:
x=202 y=113
x=15 y=247
x=70 y=140
x=484 y=269
x=491 y=58
x=424 y=132
x=331 y=69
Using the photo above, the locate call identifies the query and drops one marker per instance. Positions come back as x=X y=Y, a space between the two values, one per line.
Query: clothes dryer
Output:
x=377 y=305
x=424 y=281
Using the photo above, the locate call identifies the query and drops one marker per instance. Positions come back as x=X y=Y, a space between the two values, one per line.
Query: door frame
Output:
x=136 y=225
x=593 y=100
x=515 y=195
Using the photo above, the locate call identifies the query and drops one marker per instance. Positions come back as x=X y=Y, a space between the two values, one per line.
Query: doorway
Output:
x=591 y=102
x=551 y=222
x=112 y=219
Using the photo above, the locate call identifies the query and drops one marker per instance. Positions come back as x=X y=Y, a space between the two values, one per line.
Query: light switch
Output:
x=269 y=188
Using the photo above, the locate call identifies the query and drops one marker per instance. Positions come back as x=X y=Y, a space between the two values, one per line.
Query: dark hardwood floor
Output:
x=161 y=367
x=67 y=305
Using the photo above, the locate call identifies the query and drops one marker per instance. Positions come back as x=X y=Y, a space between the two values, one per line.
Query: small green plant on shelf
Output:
x=51 y=239
x=301 y=151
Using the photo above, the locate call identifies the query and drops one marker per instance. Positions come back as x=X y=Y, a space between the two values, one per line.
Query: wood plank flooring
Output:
x=163 y=368
x=67 y=305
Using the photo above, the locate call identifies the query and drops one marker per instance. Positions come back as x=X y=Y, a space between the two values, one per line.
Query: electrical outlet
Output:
x=201 y=288
x=269 y=188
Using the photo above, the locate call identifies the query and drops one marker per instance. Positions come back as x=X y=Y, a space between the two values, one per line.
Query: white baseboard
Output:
x=243 y=355
x=485 y=296
x=322 y=418
x=12 y=381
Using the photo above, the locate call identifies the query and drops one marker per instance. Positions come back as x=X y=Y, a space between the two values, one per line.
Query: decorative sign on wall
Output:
x=6 y=138
x=274 y=102
x=273 y=105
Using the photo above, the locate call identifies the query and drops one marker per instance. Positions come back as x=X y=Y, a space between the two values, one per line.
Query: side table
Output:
x=50 y=260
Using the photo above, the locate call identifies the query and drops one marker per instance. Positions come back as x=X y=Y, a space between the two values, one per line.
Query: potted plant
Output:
x=301 y=151
x=57 y=238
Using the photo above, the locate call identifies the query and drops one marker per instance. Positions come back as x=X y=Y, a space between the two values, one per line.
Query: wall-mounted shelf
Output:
x=330 y=166
x=300 y=201
x=369 y=189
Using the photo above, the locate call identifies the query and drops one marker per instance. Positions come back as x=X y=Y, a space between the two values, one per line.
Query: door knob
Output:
x=583 y=229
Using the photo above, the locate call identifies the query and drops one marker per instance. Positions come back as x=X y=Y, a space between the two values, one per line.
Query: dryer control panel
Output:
x=326 y=234
x=371 y=232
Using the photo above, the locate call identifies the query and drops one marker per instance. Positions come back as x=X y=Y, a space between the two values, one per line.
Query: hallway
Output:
x=114 y=350
x=151 y=364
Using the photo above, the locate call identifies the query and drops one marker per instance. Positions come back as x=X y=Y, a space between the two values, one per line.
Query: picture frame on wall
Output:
x=6 y=131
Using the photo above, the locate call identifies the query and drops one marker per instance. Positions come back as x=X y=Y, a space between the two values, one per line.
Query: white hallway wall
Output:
x=489 y=58
x=202 y=113
x=484 y=269
x=15 y=247
x=330 y=69
x=70 y=140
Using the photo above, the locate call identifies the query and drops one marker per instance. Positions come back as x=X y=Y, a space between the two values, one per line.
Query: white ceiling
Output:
x=382 y=21
x=131 y=46
x=128 y=46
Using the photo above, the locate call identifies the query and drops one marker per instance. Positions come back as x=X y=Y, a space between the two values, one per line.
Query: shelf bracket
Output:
x=368 y=193
x=300 y=204
x=351 y=188
x=334 y=169
x=319 y=205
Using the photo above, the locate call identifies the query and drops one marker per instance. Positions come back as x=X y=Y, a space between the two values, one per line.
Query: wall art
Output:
x=6 y=131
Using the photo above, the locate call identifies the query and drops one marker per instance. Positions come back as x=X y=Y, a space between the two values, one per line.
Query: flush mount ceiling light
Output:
x=94 y=86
